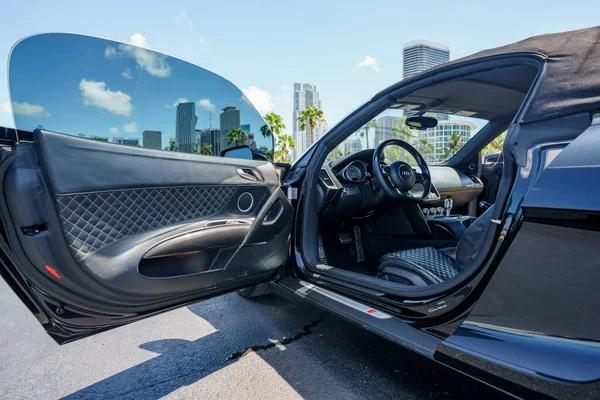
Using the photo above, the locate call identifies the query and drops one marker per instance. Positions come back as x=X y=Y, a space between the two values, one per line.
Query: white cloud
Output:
x=5 y=107
x=260 y=99
x=369 y=61
x=284 y=87
x=182 y=19
x=127 y=73
x=202 y=39
x=30 y=110
x=130 y=127
x=152 y=62
x=96 y=94
x=114 y=131
x=206 y=104
x=138 y=39
x=180 y=100
x=110 y=52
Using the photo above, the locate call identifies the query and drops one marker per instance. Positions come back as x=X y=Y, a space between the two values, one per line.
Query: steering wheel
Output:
x=399 y=178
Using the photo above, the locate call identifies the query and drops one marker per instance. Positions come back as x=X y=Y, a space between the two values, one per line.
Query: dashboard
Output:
x=349 y=188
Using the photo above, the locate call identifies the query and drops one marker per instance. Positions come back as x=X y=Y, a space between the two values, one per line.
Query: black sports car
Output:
x=491 y=268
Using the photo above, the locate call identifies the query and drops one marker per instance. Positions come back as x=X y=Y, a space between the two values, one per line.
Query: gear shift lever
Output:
x=448 y=205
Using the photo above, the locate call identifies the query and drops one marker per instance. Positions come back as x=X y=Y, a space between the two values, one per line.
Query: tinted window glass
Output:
x=119 y=93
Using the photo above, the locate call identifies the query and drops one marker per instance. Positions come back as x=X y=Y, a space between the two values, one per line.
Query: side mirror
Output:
x=421 y=123
x=242 y=152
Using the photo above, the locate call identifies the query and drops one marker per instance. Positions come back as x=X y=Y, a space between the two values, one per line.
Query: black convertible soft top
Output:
x=570 y=80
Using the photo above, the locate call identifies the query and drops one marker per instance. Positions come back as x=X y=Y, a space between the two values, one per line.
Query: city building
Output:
x=229 y=119
x=152 y=140
x=352 y=146
x=185 y=127
x=385 y=129
x=93 y=137
x=304 y=95
x=210 y=136
x=436 y=147
x=323 y=129
x=420 y=55
x=126 y=141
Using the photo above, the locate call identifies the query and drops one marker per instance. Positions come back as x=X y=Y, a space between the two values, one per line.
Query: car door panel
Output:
x=144 y=236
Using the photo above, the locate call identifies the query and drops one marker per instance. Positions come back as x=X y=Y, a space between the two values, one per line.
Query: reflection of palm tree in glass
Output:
x=237 y=136
x=206 y=149
x=274 y=126
x=364 y=131
x=172 y=145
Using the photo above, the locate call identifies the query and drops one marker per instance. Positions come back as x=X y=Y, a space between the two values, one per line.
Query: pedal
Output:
x=321 y=250
x=345 y=238
x=360 y=252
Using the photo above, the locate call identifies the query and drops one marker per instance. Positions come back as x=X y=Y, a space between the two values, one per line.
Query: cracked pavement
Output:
x=226 y=347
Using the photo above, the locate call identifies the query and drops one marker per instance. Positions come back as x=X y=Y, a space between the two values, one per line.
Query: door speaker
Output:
x=245 y=202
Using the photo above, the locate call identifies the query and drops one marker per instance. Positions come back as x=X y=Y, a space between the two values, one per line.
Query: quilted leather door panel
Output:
x=101 y=230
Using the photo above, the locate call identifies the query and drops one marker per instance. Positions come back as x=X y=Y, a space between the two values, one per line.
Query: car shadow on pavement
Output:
x=318 y=354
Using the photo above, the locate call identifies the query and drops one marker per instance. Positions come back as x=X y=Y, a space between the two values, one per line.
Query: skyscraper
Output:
x=212 y=137
x=304 y=95
x=420 y=55
x=229 y=119
x=385 y=129
x=152 y=140
x=185 y=127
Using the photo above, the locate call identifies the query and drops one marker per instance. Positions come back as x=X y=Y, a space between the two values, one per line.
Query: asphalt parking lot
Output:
x=227 y=347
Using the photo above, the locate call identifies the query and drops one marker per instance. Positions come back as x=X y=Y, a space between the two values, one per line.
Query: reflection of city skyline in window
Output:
x=126 y=94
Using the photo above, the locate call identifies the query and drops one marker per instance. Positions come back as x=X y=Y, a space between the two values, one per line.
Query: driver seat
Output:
x=427 y=265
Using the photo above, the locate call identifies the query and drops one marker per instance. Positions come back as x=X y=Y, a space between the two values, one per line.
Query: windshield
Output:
x=436 y=145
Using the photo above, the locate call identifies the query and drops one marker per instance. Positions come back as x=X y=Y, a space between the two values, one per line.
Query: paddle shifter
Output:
x=448 y=205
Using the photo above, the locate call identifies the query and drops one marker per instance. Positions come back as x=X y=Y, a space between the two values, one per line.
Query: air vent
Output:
x=326 y=179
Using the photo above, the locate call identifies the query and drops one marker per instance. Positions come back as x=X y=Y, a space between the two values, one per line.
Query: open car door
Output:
x=97 y=234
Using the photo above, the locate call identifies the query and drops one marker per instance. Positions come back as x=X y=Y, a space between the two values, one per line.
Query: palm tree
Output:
x=401 y=131
x=426 y=149
x=311 y=117
x=172 y=145
x=455 y=143
x=285 y=145
x=237 y=136
x=206 y=149
x=273 y=127
x=495 y=145
x=364 y=131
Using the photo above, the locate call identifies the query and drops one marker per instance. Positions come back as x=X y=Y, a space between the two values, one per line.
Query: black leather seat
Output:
x=427 y=266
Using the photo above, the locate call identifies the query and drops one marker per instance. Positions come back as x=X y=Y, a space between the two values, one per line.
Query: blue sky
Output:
x=265 y=46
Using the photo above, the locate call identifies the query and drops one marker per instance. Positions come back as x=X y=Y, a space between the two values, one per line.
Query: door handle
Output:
x=249 y=174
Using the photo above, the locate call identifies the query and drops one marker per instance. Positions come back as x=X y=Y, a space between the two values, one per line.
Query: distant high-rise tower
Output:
x=420 y=55
x=385 y=129
x=185 y=127
x=229 y=119
x=304 y=95
x=152 y=140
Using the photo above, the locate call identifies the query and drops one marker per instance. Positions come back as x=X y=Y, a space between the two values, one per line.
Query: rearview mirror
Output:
x=421 y=123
